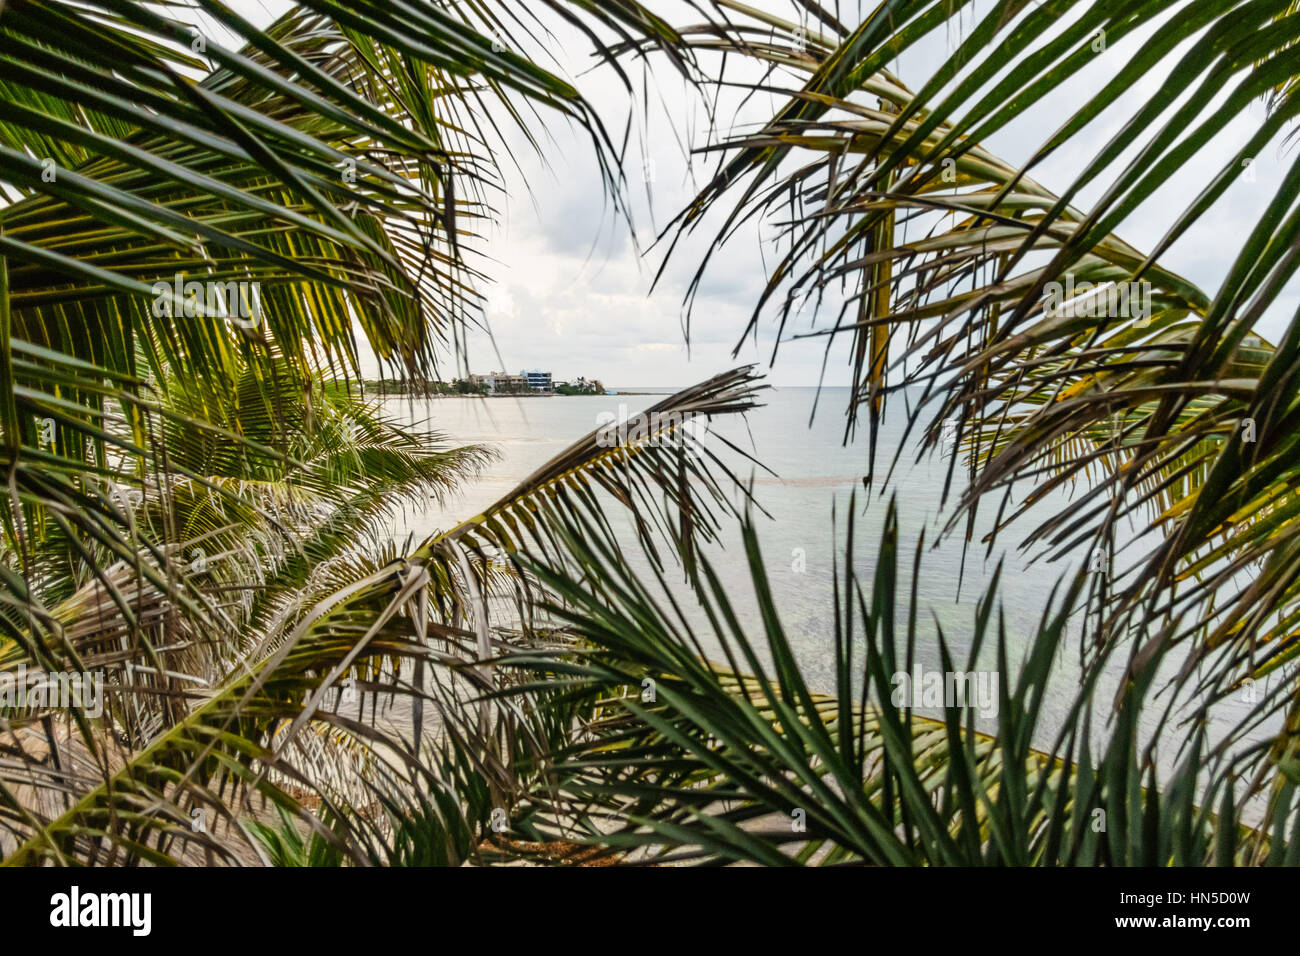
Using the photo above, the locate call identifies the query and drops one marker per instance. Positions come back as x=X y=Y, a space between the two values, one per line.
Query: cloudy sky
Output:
x=573 y=291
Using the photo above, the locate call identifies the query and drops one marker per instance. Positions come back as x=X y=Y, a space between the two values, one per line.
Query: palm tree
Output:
x=198 y=497
x=1178 y=419
x=339 y=159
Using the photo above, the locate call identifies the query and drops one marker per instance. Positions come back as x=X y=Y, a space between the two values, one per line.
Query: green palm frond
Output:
x=946 y=254
x=742 y=761
x=198 y=502
x=420 y=614
x=190 y=473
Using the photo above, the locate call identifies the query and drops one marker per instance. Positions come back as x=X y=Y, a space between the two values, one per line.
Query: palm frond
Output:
x=687 y=760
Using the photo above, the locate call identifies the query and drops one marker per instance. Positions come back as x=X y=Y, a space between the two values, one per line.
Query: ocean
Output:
x=816 y=473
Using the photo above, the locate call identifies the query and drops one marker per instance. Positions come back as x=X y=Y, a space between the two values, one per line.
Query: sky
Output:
x=573 y=290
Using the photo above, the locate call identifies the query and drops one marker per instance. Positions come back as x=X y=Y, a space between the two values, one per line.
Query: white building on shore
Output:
x=502 y=383
x=538 y=380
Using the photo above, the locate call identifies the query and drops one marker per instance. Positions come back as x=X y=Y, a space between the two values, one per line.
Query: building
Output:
x=499 y=383
x=538 y=380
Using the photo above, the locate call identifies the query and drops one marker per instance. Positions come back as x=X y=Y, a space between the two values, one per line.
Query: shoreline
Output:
x=416 y=394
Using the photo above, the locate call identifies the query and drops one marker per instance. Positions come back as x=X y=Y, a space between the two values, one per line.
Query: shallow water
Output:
x=815 y=471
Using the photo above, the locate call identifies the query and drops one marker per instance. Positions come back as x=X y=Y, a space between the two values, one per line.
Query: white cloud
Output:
x=577 y=295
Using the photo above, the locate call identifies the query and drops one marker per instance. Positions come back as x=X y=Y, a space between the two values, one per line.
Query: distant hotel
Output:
x=538 y=380
x=501 y=383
